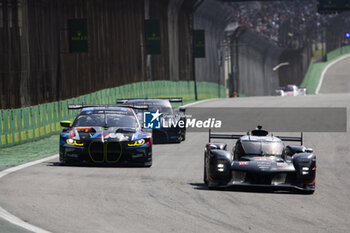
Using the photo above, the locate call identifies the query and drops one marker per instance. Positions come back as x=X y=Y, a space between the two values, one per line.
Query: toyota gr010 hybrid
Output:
x=105 y=134
x=260 y=160
x=170 y=130
x=291 y=90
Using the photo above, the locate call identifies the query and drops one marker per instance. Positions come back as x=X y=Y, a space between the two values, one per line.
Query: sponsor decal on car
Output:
x=242 y=163
x=262 y=158
x=83 y=129
x=263 y=164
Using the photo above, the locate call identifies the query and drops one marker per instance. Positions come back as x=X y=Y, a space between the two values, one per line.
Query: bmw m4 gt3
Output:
x=105 y=135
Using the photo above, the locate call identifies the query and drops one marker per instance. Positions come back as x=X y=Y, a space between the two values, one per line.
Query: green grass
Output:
x=27 y=152
x=312 y=77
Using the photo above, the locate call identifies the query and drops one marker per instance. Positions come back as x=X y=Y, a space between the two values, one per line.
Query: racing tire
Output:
x=65 y=164
x=183 y=137
x=307 y=192
x=205 y=177
x=205 y=173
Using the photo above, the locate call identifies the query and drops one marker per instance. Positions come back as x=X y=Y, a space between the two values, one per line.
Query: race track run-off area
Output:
x=170 y=196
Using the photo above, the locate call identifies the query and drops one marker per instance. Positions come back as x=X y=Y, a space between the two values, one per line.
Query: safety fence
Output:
x=313 y=75
x=36 y=122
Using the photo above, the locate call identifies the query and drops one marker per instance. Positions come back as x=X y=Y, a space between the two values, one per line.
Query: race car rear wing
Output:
x=172 y=100
x=238 y=136
x=81 y=106
x=292 y=139
x=224 y=136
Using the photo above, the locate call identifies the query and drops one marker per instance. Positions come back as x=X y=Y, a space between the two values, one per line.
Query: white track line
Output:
x=198 y=102
x=19 y=222
x=326 y=69
x=10 y=217
x=22 y=166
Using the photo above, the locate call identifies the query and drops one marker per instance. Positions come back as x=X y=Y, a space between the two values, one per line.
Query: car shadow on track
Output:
x=58 y=164
x=249 y=189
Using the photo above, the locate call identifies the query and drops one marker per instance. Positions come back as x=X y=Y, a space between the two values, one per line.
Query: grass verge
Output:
x=313 y=75
x=27 y=152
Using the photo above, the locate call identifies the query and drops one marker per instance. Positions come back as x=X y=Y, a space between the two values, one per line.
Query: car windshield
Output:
x=162 y=109
x=163 y=106
x=112 y=120
x=262 y=148
x=289 y=89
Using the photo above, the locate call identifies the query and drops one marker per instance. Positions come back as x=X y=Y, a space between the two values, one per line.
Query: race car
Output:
x=105 y=134
x=291 y=90
x=259 y=160
x=169 y=131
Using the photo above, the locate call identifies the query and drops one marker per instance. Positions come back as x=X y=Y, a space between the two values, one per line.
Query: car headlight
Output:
x=221 y=165
x=73 y=142
x=139 y=142
x=305 y=170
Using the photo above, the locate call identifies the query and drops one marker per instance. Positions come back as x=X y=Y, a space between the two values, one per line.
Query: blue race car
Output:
x=167 y=133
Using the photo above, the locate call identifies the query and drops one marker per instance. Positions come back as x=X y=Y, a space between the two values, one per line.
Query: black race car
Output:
x=169 y=131
x=105 y=135
x=261 y=160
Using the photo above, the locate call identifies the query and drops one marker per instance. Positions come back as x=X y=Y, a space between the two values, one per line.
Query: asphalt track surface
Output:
x=170 y=196
x=337 y=79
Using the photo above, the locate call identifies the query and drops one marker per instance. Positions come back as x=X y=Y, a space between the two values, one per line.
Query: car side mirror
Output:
x=182 y=109
x=66 y=124
x=309 y=150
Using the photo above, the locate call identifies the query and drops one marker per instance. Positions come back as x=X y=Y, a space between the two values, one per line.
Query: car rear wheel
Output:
x=307 y=192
